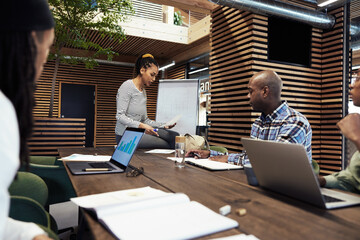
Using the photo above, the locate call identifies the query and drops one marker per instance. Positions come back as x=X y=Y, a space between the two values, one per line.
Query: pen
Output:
x=96 y=169
x=155 y=129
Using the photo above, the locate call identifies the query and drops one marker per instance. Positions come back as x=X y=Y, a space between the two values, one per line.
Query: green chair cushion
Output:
x=29 y=185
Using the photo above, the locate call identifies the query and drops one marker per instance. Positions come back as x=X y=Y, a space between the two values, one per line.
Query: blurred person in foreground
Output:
x=26 y=34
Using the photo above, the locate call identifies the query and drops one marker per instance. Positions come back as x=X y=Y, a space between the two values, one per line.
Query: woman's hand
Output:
x=148 y=129
x=170 y=126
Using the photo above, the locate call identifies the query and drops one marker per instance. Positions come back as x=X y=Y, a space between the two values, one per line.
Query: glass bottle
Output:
x=180 y=151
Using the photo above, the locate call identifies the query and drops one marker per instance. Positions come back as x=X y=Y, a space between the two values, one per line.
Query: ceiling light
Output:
x=167 y=66
x=198 y=70
x=326 y=3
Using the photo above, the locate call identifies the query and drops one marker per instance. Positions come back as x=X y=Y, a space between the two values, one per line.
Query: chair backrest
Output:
x=57 y=181
x=45 y=160
x=29 y=185
x=28 y=210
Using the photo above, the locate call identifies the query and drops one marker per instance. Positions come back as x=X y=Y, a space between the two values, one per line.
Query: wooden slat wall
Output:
x=51 y=133
x=107 y=78
x=239 y=50
x=177 y=72
x=332 y=87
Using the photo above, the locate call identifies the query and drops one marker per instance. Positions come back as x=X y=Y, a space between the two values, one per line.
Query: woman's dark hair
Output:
x=144 y=61
x=17 y=73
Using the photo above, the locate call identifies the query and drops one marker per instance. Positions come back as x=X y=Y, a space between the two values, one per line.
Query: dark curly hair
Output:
x=144 y=61
x=17 y=73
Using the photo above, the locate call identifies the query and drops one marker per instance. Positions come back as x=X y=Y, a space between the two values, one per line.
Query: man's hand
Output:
x=198 y=153
x=220 y=158
x=321 y=180
x=350 y=127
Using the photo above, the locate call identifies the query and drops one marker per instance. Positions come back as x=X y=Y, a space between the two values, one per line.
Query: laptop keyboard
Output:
x=101 y=165
x=329 y=199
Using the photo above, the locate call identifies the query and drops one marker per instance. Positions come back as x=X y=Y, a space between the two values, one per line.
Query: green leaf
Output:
x=77 y=19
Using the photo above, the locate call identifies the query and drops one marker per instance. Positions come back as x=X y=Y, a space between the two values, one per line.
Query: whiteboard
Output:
x=179 y=96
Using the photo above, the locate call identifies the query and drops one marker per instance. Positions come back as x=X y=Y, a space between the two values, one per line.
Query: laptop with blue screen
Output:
x=120 y=159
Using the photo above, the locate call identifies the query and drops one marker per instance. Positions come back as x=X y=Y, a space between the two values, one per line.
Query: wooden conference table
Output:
x=269 y=215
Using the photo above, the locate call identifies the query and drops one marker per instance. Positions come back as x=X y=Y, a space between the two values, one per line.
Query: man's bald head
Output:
x=268 y=78
x=265 y=91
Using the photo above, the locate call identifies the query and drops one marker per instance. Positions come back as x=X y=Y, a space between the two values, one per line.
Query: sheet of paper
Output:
x=238 y=237
x=170 y=221
x=214 y=165
x=117 y=197
x=172 y=121
x=89 y=158
x=179 y=159
x=163 y=151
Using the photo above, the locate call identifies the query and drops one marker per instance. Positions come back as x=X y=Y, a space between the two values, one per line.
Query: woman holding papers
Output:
x=25 y=39
x=131 y=107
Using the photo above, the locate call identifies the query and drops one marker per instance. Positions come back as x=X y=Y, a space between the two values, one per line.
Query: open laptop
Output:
x=119 y=160
x=285 y=168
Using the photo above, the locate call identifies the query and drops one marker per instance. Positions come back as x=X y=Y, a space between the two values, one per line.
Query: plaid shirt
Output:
x=283 y=125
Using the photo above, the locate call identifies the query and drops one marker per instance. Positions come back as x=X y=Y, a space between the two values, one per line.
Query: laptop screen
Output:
x=127 y=146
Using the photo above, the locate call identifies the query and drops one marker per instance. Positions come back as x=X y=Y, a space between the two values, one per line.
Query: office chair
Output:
x=29 y=185
x=45 y=160
x=29 y=195
x=28 y=210
x=57 y=181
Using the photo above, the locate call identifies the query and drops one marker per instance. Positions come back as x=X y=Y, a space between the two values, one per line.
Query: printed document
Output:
x=148 y=213
x=88 y=158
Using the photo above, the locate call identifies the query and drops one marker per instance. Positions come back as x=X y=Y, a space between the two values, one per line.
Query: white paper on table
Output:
x=163 y=151
x=238 y=237
x=90 y=158
x=172 y=121
x=179 y=159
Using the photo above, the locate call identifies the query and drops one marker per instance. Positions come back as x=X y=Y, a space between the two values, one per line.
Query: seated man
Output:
x=348 y=179
x=278 y=122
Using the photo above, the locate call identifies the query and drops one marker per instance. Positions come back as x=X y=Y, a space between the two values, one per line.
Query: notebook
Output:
x=212 y=165
x=120 y=159
x=285 y=168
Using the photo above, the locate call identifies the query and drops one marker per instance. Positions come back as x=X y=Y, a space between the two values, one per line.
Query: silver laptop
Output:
x=119 y=160
x=285 y=168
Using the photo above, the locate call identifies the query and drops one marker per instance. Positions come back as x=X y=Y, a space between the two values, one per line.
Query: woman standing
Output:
x=131 y=107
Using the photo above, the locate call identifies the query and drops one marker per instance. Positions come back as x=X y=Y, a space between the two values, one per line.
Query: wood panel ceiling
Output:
x=165 y=51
